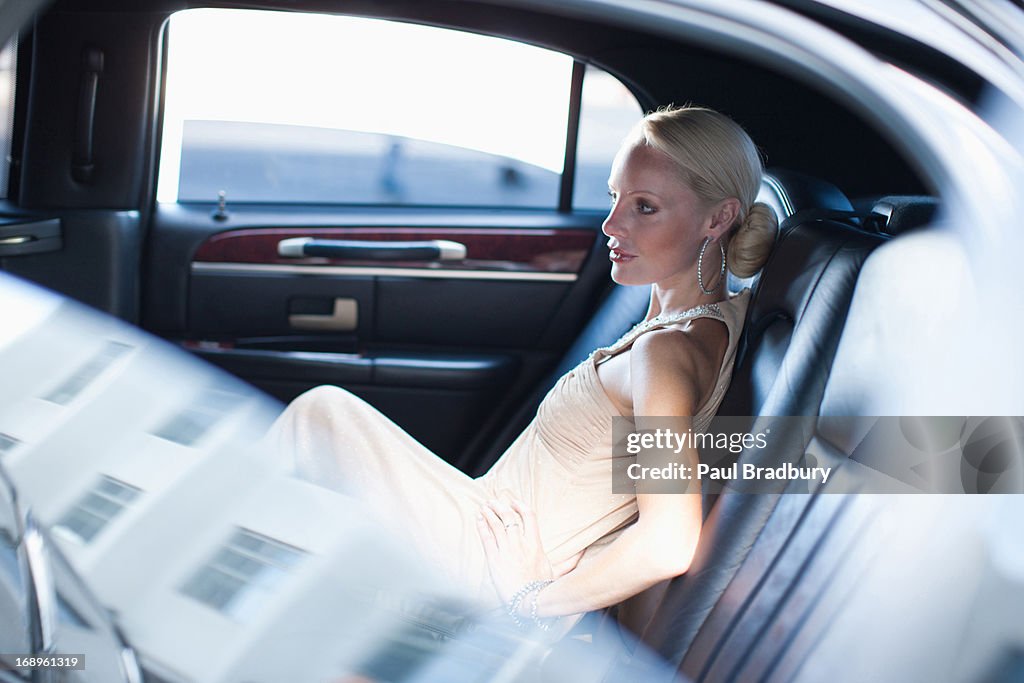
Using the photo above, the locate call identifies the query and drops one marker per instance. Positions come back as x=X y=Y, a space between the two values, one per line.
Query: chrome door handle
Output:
x=366 y=250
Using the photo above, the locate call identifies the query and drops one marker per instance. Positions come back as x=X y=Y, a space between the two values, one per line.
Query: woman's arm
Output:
x=665 y=377
x=665 y=368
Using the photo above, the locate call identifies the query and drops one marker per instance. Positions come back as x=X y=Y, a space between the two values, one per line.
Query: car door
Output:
x=423 y=230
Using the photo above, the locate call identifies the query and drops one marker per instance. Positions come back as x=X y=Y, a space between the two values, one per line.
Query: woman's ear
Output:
x=723 y=217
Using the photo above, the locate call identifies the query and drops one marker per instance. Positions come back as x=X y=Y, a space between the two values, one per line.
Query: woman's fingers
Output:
x=526 y=514
x=509 y=519
x=494 y=523
x=505 y=513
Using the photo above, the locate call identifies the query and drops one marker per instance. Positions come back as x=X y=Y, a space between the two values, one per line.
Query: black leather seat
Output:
x=796 y=576
x=711 y=621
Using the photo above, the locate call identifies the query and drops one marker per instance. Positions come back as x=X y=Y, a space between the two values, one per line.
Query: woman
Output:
x=542 y=532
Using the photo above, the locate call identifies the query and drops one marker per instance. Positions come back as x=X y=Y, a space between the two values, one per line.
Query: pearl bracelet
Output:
x=543 y=625
x=517 y=599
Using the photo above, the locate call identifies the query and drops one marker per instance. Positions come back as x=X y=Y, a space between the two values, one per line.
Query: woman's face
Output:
x=656 y=223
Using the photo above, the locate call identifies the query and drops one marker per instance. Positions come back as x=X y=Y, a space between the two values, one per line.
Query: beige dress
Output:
x=560 y=465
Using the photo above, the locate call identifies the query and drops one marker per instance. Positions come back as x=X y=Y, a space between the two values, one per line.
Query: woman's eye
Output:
x=645 y=208
x=611 y=196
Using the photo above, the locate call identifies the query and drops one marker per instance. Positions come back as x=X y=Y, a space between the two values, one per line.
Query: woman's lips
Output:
x=619 y=256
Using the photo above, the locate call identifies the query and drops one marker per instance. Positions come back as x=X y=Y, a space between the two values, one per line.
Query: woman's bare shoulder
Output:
x=674 y=368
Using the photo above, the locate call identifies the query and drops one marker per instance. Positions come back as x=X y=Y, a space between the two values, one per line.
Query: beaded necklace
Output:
x=658 y=320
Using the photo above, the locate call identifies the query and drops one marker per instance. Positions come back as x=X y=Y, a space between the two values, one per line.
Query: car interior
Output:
x=461 y=354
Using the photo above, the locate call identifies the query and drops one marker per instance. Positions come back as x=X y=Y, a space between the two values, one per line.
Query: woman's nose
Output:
x=612 y=224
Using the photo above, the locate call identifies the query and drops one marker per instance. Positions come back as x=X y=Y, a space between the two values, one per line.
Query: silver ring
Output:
x=509 y=526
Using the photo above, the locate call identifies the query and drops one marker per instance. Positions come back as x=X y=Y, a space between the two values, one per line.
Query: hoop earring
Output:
x=700 y=261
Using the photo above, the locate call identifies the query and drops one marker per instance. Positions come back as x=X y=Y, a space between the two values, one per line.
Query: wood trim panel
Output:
x=500 y=249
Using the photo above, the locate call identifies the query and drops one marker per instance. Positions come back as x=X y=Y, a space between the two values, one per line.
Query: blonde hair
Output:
x=717 y=160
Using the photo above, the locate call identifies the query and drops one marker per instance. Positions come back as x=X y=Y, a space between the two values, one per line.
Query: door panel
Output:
x=443 y=347
x=518 y=277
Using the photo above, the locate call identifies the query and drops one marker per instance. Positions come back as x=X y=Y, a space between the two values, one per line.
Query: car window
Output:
x=294 y=107
x=608 y=110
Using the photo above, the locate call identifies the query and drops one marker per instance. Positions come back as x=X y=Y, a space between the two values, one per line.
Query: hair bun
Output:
x=752 y=242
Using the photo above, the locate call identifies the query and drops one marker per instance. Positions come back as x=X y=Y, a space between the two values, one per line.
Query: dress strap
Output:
x=625 y=341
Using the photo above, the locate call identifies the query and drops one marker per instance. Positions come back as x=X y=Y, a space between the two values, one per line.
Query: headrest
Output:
x=789 y=191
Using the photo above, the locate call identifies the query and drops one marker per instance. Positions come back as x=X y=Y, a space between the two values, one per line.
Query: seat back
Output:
x=793 y=328
x=785 y=584
x=795 y=319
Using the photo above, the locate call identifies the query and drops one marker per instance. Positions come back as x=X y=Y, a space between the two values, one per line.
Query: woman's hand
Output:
x=512 y=545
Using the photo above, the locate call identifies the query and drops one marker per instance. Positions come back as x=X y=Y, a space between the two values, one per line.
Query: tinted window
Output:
x=296 y=107
x=332 y=112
